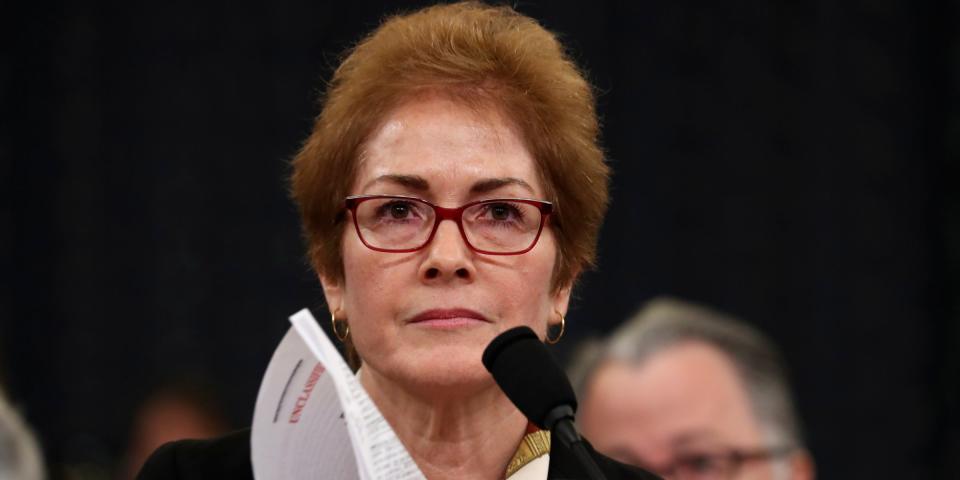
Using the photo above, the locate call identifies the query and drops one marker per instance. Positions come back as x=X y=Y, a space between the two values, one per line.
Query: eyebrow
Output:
x=693 y=436
x=491 y=184
x=420 y=184
x=414 y=182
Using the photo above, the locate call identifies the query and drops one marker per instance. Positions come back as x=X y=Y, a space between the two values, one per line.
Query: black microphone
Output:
x=532 y=380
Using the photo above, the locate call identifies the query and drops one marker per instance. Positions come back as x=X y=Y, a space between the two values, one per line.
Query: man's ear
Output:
x=332 y=292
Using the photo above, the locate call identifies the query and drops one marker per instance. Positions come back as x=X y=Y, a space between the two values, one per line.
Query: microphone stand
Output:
x=560 y=422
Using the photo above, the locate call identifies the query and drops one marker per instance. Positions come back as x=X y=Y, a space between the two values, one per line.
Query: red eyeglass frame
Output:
x=455 y=214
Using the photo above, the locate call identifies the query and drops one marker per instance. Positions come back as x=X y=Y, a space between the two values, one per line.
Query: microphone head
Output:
x=527 y=372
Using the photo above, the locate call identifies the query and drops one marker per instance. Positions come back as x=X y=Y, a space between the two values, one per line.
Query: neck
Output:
x=450 y=432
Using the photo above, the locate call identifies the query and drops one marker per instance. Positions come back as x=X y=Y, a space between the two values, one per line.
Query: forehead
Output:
x=449 y=145
x=686 y=391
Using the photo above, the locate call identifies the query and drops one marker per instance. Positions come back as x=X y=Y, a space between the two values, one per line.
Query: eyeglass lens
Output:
x=705 y=467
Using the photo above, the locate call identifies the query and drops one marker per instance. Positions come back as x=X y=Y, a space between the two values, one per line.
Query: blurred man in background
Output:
x=691 y=394
x=174 y=411
x=20 y=457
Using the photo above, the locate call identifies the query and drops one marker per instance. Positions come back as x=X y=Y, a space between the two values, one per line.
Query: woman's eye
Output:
x=500 y=212
x=397 y=210
x=503 y=212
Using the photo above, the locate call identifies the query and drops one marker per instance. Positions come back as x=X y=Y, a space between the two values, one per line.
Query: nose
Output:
x=448 y=256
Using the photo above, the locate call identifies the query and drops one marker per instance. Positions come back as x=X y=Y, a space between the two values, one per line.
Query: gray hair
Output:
x=20 y=457
x=666 y=322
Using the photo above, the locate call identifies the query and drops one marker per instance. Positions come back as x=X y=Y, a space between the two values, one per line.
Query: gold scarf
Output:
x=534 y=445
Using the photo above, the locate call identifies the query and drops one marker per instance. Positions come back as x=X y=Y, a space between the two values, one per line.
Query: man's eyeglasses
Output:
x=719 y=465
x=393 y=223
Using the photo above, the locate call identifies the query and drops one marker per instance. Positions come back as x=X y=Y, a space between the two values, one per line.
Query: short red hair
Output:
x=480 y=55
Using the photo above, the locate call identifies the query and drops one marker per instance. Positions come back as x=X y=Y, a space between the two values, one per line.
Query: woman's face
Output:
x=424 y=318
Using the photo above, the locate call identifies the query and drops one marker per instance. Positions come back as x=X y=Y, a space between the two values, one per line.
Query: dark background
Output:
x=793 y=163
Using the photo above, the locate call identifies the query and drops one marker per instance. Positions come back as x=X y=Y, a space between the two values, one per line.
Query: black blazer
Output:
x=228 y=457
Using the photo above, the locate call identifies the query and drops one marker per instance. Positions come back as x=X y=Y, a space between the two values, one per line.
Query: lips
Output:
x=448 y=317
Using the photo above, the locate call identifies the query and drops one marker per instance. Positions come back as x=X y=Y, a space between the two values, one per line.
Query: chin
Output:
x=445 y=367
x=459 y=380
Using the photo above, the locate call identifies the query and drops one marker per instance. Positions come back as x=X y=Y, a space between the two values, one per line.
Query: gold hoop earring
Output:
x=563 y=328
x=336 y=331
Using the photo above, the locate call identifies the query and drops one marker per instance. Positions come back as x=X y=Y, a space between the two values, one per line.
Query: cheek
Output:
x=757 y=471
x=368 y=286
x=526 y=288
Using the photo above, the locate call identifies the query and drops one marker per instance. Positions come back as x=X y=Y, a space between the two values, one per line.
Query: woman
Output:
x=471 y=114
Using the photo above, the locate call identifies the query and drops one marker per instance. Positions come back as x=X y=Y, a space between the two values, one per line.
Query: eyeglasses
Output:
x=717 y=466
x=393 y=223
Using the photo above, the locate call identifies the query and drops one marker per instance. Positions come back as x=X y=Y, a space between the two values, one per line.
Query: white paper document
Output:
x=313 y=419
